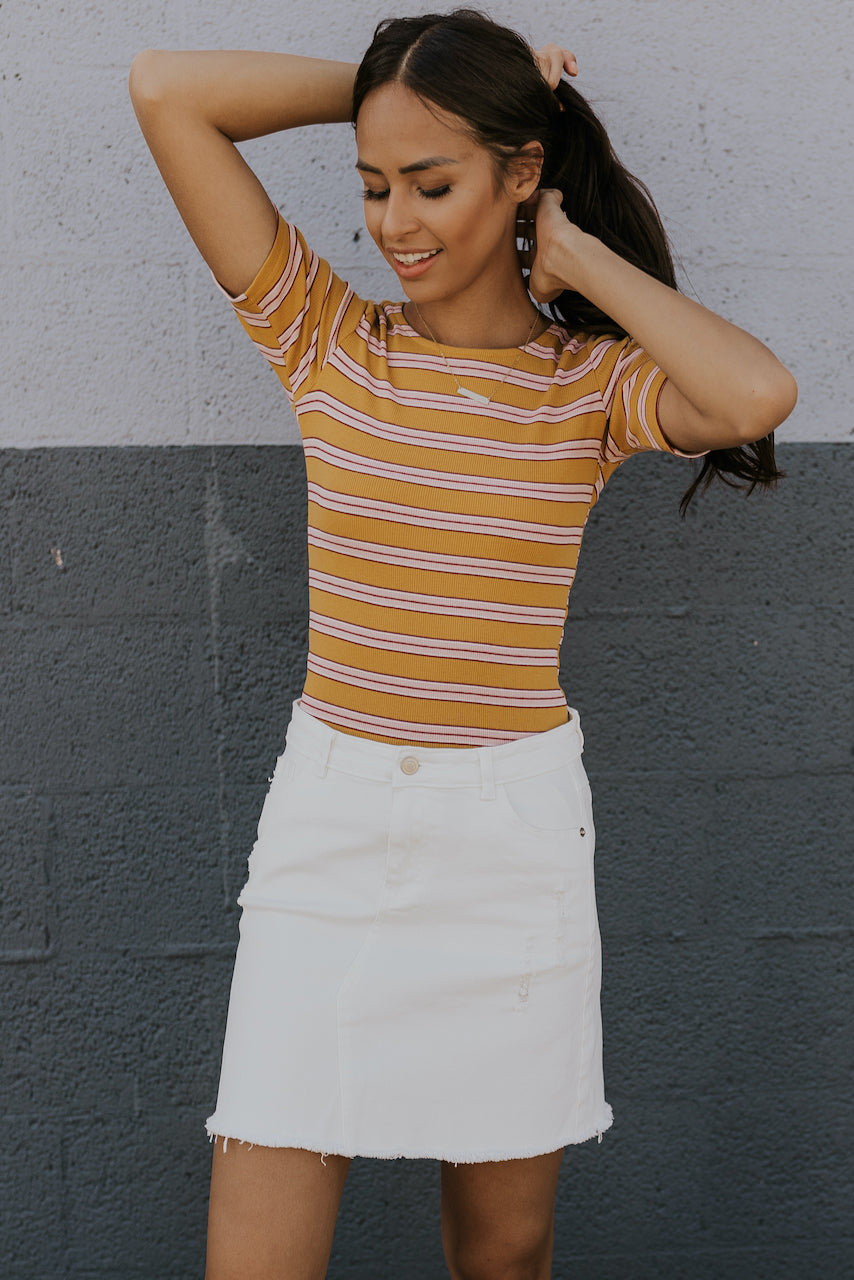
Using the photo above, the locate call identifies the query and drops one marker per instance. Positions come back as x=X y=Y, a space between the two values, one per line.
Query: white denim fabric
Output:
x=419 y=961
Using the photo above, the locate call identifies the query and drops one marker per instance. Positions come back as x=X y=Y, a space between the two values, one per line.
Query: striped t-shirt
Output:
x=443 y=534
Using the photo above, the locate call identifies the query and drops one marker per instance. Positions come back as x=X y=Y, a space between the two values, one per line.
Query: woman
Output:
x=418 y=969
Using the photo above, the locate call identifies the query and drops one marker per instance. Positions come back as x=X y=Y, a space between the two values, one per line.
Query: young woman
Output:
x=418 y=968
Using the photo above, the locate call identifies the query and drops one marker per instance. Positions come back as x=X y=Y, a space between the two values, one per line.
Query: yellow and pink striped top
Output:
x=443 y=534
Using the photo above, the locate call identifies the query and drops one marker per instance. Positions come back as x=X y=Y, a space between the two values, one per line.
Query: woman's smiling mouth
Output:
x=410 y=258
x=412 y=263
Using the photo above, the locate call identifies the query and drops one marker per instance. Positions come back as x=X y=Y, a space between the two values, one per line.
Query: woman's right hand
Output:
x=553 y=61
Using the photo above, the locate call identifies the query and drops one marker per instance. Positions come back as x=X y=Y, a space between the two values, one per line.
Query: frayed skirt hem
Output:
x=455 y=1157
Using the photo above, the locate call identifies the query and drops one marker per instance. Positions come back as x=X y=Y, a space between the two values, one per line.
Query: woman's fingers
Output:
x=550 y=221
x=570 y=63
x=550 y=195
x=553 y=61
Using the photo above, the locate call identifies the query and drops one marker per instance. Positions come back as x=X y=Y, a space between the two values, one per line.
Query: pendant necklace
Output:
x=466 y=391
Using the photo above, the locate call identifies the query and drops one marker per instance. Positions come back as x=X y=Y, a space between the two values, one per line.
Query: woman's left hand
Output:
x=553 y=61
x=541 y=218
x=553 y=238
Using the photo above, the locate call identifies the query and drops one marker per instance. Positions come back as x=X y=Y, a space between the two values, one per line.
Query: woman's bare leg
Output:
x=498 y=1218
x=272 y=1212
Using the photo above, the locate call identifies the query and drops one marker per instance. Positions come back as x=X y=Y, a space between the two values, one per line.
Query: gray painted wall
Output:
x=737 y=113
x=145 y=691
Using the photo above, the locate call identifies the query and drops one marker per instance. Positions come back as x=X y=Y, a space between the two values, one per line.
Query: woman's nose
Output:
x=398 y=218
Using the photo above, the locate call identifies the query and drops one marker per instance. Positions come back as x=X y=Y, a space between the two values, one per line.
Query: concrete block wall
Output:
x=152 y=638
x=145 y=701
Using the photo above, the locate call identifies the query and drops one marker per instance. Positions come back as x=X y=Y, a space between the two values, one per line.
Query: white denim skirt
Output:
x=419 y=964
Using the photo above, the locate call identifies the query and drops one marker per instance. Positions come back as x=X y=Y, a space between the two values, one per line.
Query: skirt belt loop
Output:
x=323 y=755
x=487 y=774
x=576 y=723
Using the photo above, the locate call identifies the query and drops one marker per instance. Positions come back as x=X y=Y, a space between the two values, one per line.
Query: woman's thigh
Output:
x=498 y=1216
x=272 y=1212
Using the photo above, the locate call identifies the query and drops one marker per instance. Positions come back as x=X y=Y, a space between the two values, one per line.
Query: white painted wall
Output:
x=737 y=114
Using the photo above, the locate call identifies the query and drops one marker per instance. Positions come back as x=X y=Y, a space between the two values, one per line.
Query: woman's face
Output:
x=441 y=216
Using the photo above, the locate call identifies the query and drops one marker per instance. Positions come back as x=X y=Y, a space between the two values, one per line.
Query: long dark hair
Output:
x=486 y=74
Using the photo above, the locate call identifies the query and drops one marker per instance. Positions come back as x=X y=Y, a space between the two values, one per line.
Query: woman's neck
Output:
x=473 y=320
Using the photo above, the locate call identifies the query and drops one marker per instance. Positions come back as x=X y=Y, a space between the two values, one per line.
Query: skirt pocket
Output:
x=558 y=800
x=268 y=859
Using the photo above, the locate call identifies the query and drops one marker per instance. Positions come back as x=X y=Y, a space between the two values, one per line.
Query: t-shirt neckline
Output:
x=403 y=326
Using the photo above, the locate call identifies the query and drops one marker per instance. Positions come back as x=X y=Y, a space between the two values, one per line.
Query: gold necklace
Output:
x=466 y=391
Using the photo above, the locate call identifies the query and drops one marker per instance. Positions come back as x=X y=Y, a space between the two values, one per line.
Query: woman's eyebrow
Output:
x=432 y=162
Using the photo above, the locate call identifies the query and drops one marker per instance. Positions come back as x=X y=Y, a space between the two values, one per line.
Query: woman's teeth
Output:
x=410 y=259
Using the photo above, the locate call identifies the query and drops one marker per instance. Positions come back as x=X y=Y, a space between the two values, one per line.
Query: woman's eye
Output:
x=429 y=193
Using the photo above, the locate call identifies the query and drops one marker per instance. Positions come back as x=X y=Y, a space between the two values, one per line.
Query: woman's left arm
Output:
x=724 y=387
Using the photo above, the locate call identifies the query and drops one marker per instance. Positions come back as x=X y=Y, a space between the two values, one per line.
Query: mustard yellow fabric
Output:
x=443 y=534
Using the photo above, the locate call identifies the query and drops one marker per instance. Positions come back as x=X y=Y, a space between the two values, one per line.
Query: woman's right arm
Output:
x=192 y=109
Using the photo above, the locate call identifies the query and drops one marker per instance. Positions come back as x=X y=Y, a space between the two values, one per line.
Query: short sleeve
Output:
x=295 y=308
x=630 y=382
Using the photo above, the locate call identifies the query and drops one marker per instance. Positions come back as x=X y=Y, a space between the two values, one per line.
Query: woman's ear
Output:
x=523 y=171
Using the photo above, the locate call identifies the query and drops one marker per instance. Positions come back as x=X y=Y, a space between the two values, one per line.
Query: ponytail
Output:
x=486 y=75
x=602 y=198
